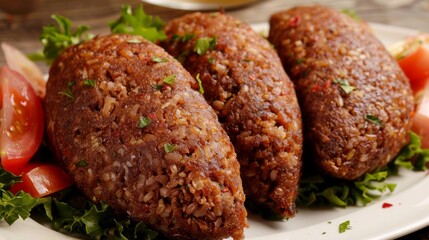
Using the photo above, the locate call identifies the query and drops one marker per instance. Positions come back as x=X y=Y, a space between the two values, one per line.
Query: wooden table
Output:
x=23 y=31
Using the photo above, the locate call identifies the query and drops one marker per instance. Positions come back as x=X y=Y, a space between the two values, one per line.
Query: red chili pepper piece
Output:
x=327 y=85
x=294 y=21
x=152 y=116
x=315 y=88
x=386 y=205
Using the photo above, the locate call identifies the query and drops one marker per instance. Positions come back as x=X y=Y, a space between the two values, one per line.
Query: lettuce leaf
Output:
x=69 y=212
x=316 y=189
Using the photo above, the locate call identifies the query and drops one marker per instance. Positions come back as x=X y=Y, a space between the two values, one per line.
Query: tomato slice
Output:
x=21 y=119
x=41 y=179
x=17 y=61
x=420 y=124
x=416 y=67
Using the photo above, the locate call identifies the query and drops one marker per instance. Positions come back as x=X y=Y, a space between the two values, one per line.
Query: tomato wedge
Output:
x=416 y=67
x=420 y=124
x=21 y=119
x=17 y=61
x=41 y=179
x=413 y=57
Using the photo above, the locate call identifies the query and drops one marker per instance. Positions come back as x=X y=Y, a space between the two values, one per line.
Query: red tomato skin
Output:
x=420 y=122
x=40 y=179
x=416 y=68
x=20 y=104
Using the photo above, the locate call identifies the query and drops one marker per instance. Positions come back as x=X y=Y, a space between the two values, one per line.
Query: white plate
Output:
x=410 y=200
x=201 y=4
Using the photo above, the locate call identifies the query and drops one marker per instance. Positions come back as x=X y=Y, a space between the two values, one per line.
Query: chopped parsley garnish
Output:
x=138 y=23
x=82 y=163
x=344 y=226
x=168 y=147
x=202 y=45
x=144 y=122
x=159 y=59
x=170 y=79
x=57 y=38
x=89 y=82
x=373 y=119
x=345 y=86
x=200 y=84
x=68 y=92
x=211 y=60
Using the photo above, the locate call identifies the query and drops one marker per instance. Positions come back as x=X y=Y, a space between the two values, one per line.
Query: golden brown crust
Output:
x=320 y=49
x=245 y=83
x=191 y=190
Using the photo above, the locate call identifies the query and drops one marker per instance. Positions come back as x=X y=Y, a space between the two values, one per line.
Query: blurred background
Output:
x=21 y=20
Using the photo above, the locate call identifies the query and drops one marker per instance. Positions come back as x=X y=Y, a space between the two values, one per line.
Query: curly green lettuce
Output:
x=70 y=212
x=316 y=189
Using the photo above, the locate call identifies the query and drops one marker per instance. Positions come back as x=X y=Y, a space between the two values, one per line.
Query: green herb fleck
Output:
x=182 y=56
x=158 y=86
x=300 y=60
x=167 y=80
x=168 y=147
x=170 y=79
x=138 y=23
x=187 y=37
x=184 y=38
x=68 y=92
x=134 y=41
x=373 y=119
x=345 y=86
x=211 y=60
x=200 y=84
x=344 y=226
x=202 y=45
x=352 y=14
x=144 y=122
x=89 y=82
x=82 y=163
x=159 y=59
